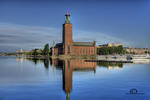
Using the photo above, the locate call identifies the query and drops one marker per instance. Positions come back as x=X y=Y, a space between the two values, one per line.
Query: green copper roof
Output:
x=67 y=17
x=67 y=95
x=83 y=43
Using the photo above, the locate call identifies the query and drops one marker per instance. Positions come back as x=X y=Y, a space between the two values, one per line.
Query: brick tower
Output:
x=67 y=35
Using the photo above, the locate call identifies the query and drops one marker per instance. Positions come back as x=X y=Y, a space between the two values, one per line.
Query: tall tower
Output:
x=67 y=35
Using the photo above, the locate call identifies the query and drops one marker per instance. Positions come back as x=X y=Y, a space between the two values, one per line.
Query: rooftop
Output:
x=58 y=44
x=83 y=43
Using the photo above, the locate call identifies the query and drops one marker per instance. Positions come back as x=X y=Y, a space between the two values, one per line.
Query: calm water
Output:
x=28 y=79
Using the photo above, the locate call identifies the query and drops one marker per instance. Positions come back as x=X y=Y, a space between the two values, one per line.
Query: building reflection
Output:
x=70 y=65
x=76 y=64
x=67 y=78
x=20 y=59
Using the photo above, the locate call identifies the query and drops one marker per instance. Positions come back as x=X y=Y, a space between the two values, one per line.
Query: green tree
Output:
x=46 y=49
x=35 y=52
x=111 y=50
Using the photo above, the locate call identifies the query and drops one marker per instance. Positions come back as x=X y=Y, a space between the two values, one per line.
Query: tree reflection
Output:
x=110 y=65
x=69 y=65
x=44 y=61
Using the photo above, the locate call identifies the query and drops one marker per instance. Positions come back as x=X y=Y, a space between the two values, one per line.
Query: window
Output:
x=68 y=63
x=86 y=51
x=68 y=49
x=81 y=51
x=91 y=51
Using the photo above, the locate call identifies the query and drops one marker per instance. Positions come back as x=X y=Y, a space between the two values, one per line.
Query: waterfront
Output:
x=48 y=80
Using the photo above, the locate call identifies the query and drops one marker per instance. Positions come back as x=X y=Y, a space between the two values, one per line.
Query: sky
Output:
x=30 y=24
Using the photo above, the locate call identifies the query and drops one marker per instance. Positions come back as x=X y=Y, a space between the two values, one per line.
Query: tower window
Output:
x=69 y=49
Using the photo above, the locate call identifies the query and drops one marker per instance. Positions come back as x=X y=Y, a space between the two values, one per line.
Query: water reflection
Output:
x=69 y=65
x=20 y=59
x=60 y=79
x=78 y=64
x=46 y=62
x=110 y=65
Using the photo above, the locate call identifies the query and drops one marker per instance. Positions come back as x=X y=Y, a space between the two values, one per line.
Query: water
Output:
x=32 y=79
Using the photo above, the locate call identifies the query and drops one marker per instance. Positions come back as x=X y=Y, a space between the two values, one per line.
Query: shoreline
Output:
x=98 y=58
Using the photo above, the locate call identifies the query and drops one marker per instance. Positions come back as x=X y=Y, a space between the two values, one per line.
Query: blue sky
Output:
x=30 y=24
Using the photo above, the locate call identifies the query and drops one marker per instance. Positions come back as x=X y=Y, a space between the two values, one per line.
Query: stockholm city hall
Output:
x=68 y=46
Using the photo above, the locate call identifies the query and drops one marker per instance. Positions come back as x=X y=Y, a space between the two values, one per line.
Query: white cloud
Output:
x=26 y=37
x=101 y=38
x=13 y=36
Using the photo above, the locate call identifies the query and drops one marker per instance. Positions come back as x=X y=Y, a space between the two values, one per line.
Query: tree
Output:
x=35 y=52
x=111 y=50
x=46 y=49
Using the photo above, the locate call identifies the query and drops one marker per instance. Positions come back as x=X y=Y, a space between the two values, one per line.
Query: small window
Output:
x=68 y=63
x=81 y=51
x=68 y=49
x=91 y=51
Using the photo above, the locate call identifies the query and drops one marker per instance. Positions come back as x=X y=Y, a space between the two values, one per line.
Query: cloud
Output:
x=13 y=37
x=26 y=37
x=101 y=38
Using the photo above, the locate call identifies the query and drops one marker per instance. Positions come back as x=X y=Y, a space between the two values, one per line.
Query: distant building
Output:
x=110 y=45
x=21 y=51
x=114 y=44
x=68 y=46
x=137 y=50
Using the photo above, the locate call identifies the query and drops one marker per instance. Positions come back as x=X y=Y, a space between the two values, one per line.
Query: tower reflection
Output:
x=70 y=65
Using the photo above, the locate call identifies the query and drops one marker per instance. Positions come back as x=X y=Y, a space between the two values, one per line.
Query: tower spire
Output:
x=67 y=12
x=67 y=17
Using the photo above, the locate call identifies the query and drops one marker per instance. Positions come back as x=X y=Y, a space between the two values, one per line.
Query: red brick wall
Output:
x=83 y=50
x=67 y=37
x=55 y=51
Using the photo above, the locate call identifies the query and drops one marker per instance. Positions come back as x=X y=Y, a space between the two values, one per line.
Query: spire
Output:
x=67 y=17
x=67 y=95
x=67 y=12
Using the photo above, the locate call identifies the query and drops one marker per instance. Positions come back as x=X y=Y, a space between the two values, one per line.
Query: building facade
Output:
x=68 y=46
x=137 y=50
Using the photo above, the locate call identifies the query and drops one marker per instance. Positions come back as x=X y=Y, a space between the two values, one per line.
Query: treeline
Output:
x=38 y=52
x=46 y=61
x=111 y=50
x=112 y=64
